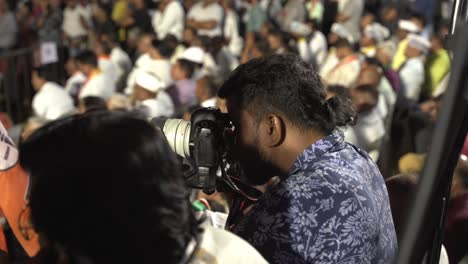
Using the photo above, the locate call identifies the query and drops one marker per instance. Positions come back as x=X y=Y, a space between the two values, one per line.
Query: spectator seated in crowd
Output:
x=150 y=97
x=97 y=83
x=147 y=214
x=411 y=71
x=51 y=101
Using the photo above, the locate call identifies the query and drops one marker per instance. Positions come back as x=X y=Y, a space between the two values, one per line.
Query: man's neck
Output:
x=297 y=142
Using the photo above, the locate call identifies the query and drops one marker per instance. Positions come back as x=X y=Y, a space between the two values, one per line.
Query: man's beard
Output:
x=256 y=168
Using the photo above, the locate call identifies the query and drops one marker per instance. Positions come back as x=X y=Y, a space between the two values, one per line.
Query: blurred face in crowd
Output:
x=436 y=44
x=411 y=52
x=366 y=41
x=144 y=44
x=363 y=99
x=86 y=69
x=71 y=66
x=343 y=52
x=71 y=3
x=389 y=14
x=275 y=42
x=332 y=38
x=141 y=94
x=3 y=7
x=369 y=75
x=189 y=36
x=402 y=34
x=177 y=72
x=37 y=81
x=366 y=20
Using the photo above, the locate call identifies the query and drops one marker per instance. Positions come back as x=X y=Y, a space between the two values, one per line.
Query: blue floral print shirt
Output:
x=332 y=207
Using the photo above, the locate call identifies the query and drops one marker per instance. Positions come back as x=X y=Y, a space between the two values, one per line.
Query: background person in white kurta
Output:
x=156 y=61
x=105 y=63
x=206 y=17
x=231 y=28
x=347 y=70
x=411 y=73
x=169 y=19
x=75 y=21
x=149 y=96
x=76 y=79
x=97 y=83
x=51 y=100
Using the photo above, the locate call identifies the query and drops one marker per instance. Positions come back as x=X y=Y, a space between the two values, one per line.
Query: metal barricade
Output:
x=15 y=83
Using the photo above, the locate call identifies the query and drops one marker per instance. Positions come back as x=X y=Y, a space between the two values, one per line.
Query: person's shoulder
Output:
x=225 y=247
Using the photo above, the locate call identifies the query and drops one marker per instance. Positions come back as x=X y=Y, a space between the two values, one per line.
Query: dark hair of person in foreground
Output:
x=106 y=188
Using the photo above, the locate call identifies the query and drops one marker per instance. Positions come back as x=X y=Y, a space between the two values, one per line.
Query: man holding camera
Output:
x=331 y=204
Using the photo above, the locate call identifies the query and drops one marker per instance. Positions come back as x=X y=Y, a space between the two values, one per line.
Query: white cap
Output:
x=342 y=32
x=193 y=54
x=408 y=25
x=419 y=42
x=299 y=28
x=149 y=81
x=377 y=32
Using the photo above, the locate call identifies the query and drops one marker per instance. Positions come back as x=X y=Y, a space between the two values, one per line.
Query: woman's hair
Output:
x=106 y=186
x=286 y=85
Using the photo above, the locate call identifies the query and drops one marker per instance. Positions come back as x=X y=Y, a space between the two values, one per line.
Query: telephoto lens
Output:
x=177 y=132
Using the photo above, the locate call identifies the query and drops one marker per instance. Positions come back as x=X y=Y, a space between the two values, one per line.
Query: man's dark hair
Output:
x=87 y=57
x=287 y=86
x=188 y=67
x=343 y=43
x=366 y=88
x=418 y=15
x=163 y=47
x=94 y=103
x=211 y=86
x=43 y=73
x=107 y=187
x=106 y=47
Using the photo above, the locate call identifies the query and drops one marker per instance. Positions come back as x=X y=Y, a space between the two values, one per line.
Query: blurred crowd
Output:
x=168 y=58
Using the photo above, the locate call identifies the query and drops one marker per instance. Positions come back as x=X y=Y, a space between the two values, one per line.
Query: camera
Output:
x=202 y=142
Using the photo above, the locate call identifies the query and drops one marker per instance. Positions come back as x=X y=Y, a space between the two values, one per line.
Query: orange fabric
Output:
x=13 y=188
x=13 y=184
x=3 y=245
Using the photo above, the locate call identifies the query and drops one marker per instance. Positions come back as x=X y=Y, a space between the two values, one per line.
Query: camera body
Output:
x=203 y=142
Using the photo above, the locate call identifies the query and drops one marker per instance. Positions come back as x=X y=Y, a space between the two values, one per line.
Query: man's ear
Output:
x=274 y=130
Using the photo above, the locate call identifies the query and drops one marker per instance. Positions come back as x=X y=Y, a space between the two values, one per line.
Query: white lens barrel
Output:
x=177 y=132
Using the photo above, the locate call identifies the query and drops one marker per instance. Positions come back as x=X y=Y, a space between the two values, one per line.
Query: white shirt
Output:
x=72 y=23
x=210 y=68
x=209 y=103
x=107 y=66
x=412 y=78
x=161 y=106
x=353 y=9
x=121 y=59
x=221 y=246
x=368 y=132
x=52 y=102
x=318 y=48
x=200 y=13
x=74 y=83
x=344 y=73
x=231 y=32
x=170 y=21
x=330 y=62
x=161 y=68
x=100 y=85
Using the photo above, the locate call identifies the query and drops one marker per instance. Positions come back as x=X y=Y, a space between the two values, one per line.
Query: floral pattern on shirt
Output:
x=332 y=207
